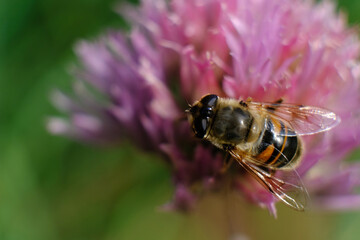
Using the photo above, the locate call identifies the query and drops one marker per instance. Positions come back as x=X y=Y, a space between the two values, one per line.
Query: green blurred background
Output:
x=55 y=188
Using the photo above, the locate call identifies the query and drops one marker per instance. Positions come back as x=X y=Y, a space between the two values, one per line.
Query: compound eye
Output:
x=206 y=112
x=200 y=127
x=194 y=109
x=209 y=100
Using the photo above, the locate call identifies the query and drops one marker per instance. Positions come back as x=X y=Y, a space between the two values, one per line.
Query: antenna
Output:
x=189 y=105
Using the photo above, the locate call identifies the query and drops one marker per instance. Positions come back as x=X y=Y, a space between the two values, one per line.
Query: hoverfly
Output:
x=264 y=138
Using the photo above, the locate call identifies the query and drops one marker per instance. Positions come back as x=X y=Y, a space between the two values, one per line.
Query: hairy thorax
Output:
x=236 y=126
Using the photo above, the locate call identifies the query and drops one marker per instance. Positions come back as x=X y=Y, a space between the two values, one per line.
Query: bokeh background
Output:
x=55 y=188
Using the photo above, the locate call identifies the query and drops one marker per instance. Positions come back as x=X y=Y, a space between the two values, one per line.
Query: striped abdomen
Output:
x=275 y=147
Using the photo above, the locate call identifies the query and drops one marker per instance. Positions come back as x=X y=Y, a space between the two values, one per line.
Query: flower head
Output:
x=177 y=51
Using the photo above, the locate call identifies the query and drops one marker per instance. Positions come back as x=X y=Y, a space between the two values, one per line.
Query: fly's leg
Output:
x=228 y=158
x=227 y=163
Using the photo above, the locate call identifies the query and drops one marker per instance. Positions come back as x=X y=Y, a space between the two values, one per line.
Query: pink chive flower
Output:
x=180 y=50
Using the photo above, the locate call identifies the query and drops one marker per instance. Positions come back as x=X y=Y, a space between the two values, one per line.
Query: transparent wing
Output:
x=304 y=120
x=284 y=185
